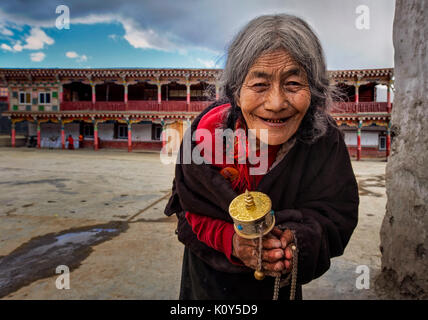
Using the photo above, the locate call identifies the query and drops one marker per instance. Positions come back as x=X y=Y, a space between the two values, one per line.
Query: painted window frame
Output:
x=158 y=133
x=45 y=93
x=380 y=143
x=88 y=128
x=119 y=128
x=26 y=94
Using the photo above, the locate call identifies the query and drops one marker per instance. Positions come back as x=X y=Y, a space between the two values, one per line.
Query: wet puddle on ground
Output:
x=367 y=185
x=39 y=257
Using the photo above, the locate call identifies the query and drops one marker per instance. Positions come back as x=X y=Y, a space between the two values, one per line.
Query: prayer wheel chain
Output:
x=277 y=284
x=294 y=273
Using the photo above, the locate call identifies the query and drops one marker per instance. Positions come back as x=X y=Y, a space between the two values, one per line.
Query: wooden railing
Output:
x=109 y=106
x=76 y=105
x=361 y=107
x=173 y=106
x=198 y=106
x=141 y=105
x=135 y=105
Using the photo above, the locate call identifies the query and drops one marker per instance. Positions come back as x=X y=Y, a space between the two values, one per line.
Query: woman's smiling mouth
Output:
x=275 y=122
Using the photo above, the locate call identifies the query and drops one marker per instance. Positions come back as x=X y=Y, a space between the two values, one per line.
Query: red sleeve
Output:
x=215 y=233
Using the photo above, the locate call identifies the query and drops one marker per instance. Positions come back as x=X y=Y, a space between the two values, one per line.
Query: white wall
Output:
x=105 y=131
x=141 y=132
x=73 y=129
x=381 y=93
x=50 y=135
x=367 y=138
x=50 y=130
x=350 y=138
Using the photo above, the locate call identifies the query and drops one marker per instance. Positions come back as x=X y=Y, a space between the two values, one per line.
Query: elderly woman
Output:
x=275 y=80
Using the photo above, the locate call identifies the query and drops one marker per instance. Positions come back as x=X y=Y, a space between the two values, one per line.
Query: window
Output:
x=122 y=131
x=44 y=98
x=382 y=143
x=24 y=98
x=158 y=132
x=88 y=130
x=197 y=93
x=3 y=92
x=177 y=93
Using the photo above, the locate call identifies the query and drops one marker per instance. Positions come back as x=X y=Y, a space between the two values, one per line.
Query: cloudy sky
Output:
x=355 y=34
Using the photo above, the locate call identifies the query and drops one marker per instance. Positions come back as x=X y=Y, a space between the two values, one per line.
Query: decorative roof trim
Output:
x=130 y=73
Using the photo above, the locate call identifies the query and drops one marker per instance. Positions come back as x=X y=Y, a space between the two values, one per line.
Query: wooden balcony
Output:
x=361 y=107
x=135 y=105
x=198 y=106
x=140 y=105
x=76 y=105
x=173 y=106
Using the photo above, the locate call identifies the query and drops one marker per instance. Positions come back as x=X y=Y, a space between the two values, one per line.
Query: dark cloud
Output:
x=212 y=23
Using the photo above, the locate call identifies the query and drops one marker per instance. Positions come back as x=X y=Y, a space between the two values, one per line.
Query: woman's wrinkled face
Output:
x=275 y=96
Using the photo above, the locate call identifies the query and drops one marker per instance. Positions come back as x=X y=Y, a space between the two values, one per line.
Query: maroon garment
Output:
x=313 y=191
x=217 y=233
x=70 y=143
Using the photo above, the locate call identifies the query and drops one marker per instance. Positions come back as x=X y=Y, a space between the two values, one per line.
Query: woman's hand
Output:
x=272 y=253
x=287 y=241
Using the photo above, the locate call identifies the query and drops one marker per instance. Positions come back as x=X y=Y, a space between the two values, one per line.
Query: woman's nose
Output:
x=276 y=99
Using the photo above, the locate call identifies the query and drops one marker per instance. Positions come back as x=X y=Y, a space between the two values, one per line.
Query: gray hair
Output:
x=273 y=32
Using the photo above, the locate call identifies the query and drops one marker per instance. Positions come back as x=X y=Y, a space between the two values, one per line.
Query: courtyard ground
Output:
x=101 y=215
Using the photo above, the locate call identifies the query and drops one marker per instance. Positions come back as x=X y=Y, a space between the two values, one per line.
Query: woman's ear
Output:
x=237 y=100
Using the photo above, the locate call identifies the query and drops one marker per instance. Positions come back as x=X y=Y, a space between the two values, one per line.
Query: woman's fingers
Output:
x=288 y=252
x=287 y=265
x=272 y=255
x=275 y=267
x=286 y=238
x=277 y=232
x=271 y=242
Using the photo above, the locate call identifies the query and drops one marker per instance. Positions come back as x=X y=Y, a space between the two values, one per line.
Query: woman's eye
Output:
x=260 y=86
x=293 y=83
x=293 y=86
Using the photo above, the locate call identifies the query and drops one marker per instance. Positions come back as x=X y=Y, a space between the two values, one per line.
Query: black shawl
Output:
x=313 y=192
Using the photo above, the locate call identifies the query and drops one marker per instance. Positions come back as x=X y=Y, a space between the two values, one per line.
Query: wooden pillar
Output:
x=126 y=93
x=159 y=92
x=129 y=136
x=217 y=91
x=13 y=134
x=94 y=96
x=360 y=124
x=188 y=95
x=38 y=134
x=95 y=135
x=61 y=93
x=388 y=139
x=357 y=96
x=62 y=135
x=388 y=97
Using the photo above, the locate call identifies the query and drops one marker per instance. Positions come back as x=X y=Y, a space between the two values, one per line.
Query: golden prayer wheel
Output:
x=252 y=214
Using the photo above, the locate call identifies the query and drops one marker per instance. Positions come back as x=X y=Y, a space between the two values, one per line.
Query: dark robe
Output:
x=314 y=193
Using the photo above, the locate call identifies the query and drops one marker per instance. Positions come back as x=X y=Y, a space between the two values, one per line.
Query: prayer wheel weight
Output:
x=252 y=214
